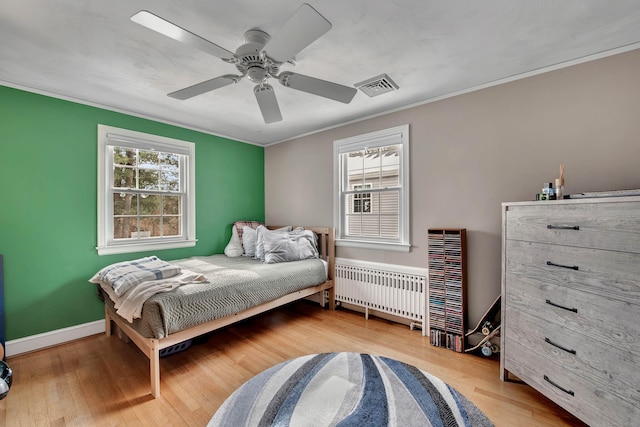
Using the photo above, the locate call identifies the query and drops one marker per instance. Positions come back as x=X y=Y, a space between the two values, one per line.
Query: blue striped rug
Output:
x=346 y=389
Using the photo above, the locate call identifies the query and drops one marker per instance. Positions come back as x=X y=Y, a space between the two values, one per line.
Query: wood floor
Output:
x=100 y=381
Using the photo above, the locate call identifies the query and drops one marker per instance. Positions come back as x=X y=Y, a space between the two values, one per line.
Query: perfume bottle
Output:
x=559 y=183
x=559 y=187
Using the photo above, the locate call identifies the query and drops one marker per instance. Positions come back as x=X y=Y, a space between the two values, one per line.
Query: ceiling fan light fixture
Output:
x=257 y=74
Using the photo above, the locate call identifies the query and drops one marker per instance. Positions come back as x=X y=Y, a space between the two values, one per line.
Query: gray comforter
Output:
x=234 y=284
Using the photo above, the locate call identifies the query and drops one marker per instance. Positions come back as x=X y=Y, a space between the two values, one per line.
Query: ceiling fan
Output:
x=259 y=59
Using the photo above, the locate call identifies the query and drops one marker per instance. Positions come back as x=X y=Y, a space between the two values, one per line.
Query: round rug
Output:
x=346 y=389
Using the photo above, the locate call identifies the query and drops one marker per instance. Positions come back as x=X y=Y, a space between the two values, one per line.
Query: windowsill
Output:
x=143 y=247
x=382 y=246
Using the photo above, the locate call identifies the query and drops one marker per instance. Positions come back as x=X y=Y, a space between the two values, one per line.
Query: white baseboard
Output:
x=49 y=339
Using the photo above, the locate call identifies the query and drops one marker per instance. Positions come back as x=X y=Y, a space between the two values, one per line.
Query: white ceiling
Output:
x=90 y=51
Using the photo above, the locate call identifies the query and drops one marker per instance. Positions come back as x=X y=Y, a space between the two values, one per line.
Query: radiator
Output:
x=393 y=289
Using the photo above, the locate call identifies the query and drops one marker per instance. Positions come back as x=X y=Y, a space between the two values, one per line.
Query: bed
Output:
x=188 y=311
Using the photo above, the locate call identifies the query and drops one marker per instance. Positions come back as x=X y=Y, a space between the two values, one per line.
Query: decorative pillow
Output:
x=239 y=225
x=292 y=246
x=234 y=248
x=261 y=231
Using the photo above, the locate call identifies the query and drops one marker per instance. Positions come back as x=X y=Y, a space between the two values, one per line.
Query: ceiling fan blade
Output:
x=206 y=86
x=304 y=27
x=268 y=103
x=166 y=28
x=318 y=87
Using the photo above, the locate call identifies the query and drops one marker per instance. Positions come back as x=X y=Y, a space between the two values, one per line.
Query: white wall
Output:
x=471 y=152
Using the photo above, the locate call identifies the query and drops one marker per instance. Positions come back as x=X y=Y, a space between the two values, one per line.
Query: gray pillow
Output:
x=293 y=246
x=260 y=232
x=249 y=238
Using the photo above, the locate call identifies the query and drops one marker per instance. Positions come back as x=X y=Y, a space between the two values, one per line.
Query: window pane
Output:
x=169 y=161
x=389 y=226
x=149 y=179
x=389 y=203
x=151 y=224
x=150 y=204
x=171 y=226
x=354 y=225
x=124 y=226
x=171 y=205
x=124 y=156
x=372 y=167
x=170 y=180
x=370 y=226
x=390 y=166
x=355 y=168
x=149 y=159
x=125 y=204
x=124 y=177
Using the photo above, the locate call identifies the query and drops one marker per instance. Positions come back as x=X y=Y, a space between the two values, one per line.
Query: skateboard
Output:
x=489 y=326
x=489 y=321
x=485 y=345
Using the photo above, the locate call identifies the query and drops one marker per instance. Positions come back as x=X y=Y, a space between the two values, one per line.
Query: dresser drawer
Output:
x=612 y=321
x=612 y=226
x=595 y=405
x=612 y=275
x=611 y=369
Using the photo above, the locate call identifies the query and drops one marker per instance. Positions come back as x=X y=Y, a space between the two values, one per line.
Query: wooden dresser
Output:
x=571 y=304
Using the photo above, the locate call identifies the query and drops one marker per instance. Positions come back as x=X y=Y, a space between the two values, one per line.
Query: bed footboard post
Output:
x=107 y=321
x=154 y=366
x=331 y=234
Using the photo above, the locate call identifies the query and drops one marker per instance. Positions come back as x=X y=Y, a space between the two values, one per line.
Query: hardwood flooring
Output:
x=103 y=381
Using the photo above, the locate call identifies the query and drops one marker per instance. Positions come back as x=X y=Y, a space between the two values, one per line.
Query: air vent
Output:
x=377 y=85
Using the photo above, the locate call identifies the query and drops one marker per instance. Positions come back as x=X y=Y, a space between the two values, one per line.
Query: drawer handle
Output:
x=571 y=267
x=548 y=341
x=563 y=227
x=575 y=310
x=546 y=378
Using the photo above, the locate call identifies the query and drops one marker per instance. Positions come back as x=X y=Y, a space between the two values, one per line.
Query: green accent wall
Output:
x=48 y=206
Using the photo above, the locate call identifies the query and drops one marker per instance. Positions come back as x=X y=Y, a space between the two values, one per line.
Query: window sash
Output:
x=113 y=190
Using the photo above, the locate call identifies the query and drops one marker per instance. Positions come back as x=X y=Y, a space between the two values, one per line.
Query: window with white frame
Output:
x=146 y=192
x=371 y=196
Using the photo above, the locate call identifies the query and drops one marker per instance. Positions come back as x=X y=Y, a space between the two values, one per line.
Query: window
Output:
x=146 y=192
x=371 y=200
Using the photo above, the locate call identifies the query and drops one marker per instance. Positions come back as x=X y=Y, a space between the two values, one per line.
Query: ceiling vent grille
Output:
x=377 y=85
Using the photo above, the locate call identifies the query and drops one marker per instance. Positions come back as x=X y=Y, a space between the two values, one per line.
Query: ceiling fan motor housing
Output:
x=251 y=61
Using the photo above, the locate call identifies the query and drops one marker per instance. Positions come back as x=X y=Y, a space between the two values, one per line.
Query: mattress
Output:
x=233 y=285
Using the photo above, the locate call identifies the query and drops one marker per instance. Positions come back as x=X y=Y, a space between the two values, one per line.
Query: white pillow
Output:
x=234 y=247
x=249 y=240
x=292 y=246
x=261 y=231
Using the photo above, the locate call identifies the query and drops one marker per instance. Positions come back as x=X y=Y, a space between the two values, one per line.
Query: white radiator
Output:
x=387 y=288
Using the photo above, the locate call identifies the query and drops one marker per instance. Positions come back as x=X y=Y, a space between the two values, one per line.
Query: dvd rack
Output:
x=447 y=306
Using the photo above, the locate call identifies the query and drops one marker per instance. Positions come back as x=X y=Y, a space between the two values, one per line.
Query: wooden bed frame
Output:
x=151 y=346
